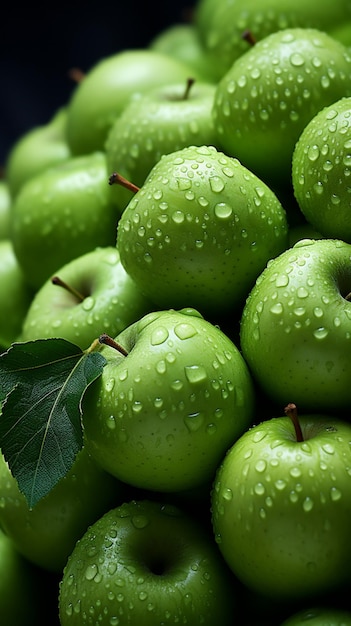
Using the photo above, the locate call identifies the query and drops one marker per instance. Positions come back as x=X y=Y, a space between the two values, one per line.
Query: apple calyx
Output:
x=249 y=37
x=108 y=341
x=56 y=280
x=291 y=412
x=118 y=179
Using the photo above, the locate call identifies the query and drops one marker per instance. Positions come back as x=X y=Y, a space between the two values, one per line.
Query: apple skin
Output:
x=272 y=91
x=296 y=326
x=220 y=25
x=156 y=123
x=39 y=148
x=321 y=169
x=46 y=534
x=62 y=213
x=162 y=417
x=111 y=302
x=107 y=87
x=5 y=210
x=16 y=294
x=319 y=616
x=146 y=563
x=281 y=508
x=204 y=227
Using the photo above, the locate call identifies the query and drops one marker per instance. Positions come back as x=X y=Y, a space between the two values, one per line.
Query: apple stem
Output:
x=248 y=36
x=76 y=74
x=348 y=297
x=118 y=179
x=291 y=411
x=189 y=84
x=108 y=341
x=56 y=280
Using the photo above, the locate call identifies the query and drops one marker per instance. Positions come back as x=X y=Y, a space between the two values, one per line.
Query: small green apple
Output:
x=272 y=91
x=281 y=507
x=16 y=294
x=296 y=326
x=200 y=230
x=90 y=295
x=146 y=563
x=181 y=41
x=221 y=25
x=321 y=170
x=46 y=534
x=164 y=120
x=165 y=410
x=106 y=88
x=62 y=213
x=319 y=616
x=40 y=147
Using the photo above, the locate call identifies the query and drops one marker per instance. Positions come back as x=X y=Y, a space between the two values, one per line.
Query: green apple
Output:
x=62 y=213
x=146 y=563
x=165 y=410
x=20 y=598
x=296 y=326
x=321 y=170
x=101 y=96
x=272 y=91
x=281 y=506
x=16 y=294
x=221 y=25
x=181 y=41
x=5 y=209
x=40 y=147
x=90 y=295
x=203 y=227
x=46 y=534
x=164 y=120
x=319 y=616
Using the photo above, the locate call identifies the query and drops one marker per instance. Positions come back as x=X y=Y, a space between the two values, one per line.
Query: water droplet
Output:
x=194 y=421
x=185 y=330
x=260 y=466
x=307 y=504
x=320 y=333
x=223 y=210
x=110 y=422
x=216 y=184
x=259 y=489
x=88 y=303
x=195 y=373
x=140 y=521
x=91 y=571
x=159 y=336
x=313 y=153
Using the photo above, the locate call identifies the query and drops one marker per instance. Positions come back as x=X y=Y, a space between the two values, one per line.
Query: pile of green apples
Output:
x=189 y=211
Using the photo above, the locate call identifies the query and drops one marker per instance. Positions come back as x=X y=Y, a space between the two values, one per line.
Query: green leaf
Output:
x=42 y=385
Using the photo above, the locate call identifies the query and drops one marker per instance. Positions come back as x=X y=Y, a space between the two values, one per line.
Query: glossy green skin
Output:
x=157 y=123
x=281 y=508
x=46 y=534
x=62 y=213
x=272 y=91
x=111 y=302
x=181 y=41
x=146 y=563
x=16 y=295
x=220 y=25
x=296 y=326
x=39 y=148
x=101 y=97
x=162 y=417
x=203 y=227
x=319 y=617
x=321 y=170
x=5 y=210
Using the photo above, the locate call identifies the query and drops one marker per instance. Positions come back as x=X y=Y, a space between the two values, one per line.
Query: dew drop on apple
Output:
x=216 y=184
x=194 y=421
x=88 y=303
x=159 y=336
x=223 y=210
x=111 y=422
x=91 y=571
x=195 y=373
x=259 y=489
x=320 y=333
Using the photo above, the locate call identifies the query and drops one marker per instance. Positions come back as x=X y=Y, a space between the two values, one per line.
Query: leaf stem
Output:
x=108 y=341
x=291 y=411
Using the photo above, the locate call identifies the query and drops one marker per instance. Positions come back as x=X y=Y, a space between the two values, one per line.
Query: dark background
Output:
x=38 y=47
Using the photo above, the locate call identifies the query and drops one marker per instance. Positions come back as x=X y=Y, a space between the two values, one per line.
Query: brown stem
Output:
x=56 y=280
x=108 y=341
x=248 y=36
x=189 y=84
x=291 y=411
x=118 y=179
x=348 y=297
x=76 y=74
